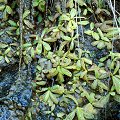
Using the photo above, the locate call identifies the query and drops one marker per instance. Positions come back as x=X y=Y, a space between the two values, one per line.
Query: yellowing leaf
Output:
x=29 y=24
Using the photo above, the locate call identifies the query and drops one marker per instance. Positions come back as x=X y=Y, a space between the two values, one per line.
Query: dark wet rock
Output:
x=6 y=114
x=15 y=94
x=111 y=112
x=5 y=38
x=4 y=64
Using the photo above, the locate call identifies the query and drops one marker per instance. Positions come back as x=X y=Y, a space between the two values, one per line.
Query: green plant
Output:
x=40 y=4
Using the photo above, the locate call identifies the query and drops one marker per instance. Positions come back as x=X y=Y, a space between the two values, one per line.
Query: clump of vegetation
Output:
x=64 y=68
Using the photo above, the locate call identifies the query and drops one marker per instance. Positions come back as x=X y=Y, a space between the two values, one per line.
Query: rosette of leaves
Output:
x=58 y=31
x=6 y=9
x=40 y=4
x=42 y=44
x=50 y=94
x=82 y=113
x=97 y=77
x=69 y=17
x=61 y=68
x=95 y=99
x=113 y=63
x=82 y=64
x=101 y=41
x=70 y=39
x=14 y=26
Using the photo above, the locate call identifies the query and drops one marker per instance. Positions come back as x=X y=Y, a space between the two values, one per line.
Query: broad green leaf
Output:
x=35 y=3
x=39 y=49
x=94 y=84
x=8 y=9
x=53 y=98
x=66 y=72
x=117 y=98
x=64 y=17
x=83 y=22
x=60 y=114
x=7 y=51
x=41 y=83
x=80 y=114
x=105 y=39
x=2 y=45
x=72 y=56
x=52 y=72
x=6 y=59
x=58 y=90
x=102 y=102
x=113 y=32
x=46 y=96
x=89 y=108
x=88 y=32
x=73 y=12
x=41 y=6
x=92 y=25
x=87 y=61
x=60 y=77
x=95 y=43
x=67 y=38
x=101 y=45
x=70 y=4
x=70 y=116
x=29 y=24
x=102 y=85
x=46 y=46
x=116 y=83
x=95 y=36
x=2 y=7
x=89 y=111
x=26 y=13
x=12 y=23
x=85 y=12
x=117 y=68
x=100 y=32
x=26 y=45
x=50 y=39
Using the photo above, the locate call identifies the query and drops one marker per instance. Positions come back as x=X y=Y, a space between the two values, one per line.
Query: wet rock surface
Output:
x=15 y=94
